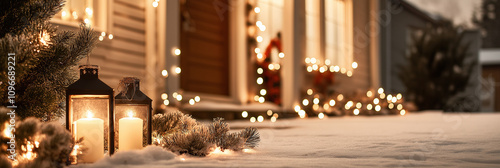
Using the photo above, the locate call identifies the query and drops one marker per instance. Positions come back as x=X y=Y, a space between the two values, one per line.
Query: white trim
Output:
x=172 y=37
x=238 y=85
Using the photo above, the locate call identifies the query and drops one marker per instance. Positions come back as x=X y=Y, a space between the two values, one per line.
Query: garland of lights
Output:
x=270 y=72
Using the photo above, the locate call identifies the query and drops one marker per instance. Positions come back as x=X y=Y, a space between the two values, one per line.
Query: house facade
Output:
x=210 y=48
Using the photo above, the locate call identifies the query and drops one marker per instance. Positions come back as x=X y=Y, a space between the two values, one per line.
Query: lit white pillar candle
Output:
x=130 y=135
x=92 y=131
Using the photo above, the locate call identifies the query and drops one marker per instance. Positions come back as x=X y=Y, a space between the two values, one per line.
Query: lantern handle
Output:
x=123 y=88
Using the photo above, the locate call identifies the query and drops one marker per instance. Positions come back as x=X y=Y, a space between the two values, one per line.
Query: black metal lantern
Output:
x=132 y=116
x=89 y=115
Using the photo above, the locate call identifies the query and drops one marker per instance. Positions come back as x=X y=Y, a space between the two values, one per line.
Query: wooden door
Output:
x=204 y=45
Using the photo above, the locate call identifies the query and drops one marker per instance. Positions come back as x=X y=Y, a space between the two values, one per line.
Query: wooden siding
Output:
x=124 y=55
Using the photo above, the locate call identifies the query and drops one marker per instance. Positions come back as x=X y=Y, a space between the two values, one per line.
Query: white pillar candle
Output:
x=130 y=135
x=92 y=131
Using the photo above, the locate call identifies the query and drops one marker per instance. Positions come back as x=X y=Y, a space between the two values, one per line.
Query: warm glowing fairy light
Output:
x=197 y=98
x=332 y=68
x=400 y=106
x=164 y=96
x=260 y=56
x=309 y=69
x=259 y=39
x=390 y=106
x=380 y=90
x=309 y=92
x=252 y=119
x=402 y=112
x=316 y=101
x=260 y=71
x=321 y=115
x=359 y=105
x=326 y=106
x=349 y=73
x=263 y=92
x=332 y=102
x=327 y=62
x=369 y=107
x=260 y=118
x=175 y=94
x=110 y=36
x=273 y=119
x=260 y=80
x=296 y=108
x=302 y=113
x=389 y=97
x=269 y=112
x=305 y=102
x=262 y=99
x=281 y=55
x=258 y=23
x=356 y=111
x=177 y=51
x=340 y=97
x=256 y=10
x=369 y=93
x=257 y=50
x=262 y=28
x=179 y=97
x=394 y=99
x=399 y=96
x=275 y=115
x=315 y=107
x=164 y=73
x=382 y=95
x=166 y=102
x=271 y=66
x=191 y=101
x=178 y=70
x=354 y=65
x=308 y=60
x=315 y=67
x=376 y=101
x=313 y=60
x=343 y=70
x=378 y=108
x=244 y=114
x=336 y=68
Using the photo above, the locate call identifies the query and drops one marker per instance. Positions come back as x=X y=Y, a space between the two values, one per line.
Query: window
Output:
x=91 y=12
x=339 y=33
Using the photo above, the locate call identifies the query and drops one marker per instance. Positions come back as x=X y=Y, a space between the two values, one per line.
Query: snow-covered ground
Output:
x=429 y=139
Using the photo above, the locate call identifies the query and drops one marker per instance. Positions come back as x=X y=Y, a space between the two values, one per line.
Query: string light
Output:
x=273 y=119
x=332 y=102
x=175 y=94
x=177 y=51
x=315 y=67
x=309 y=69
x=326 y=106
x=308 y=60
x=64 y=14
x=400 y=106
x=197 y=98
x=322 y=69
x=244 y=114
x=356 y=111
x=281 y=55
x=297 y=108
x=252 y=119
x=332 y=68
x=86 y=21
x=256 y=10
x=389 y=97
x=110 y=36
x=402 y=112
x=354 y=65
x=191 y=101
x=369 y=107
x=380 y=90
x=275 y=115
x=103 y=33
x=179 y=97
x=155 y=3
x=164 y=73
x=369 y=93
x=166 y=102
x=377 y=108
x=260 y=118
x=164 y=96
x=399 y=96
x=271 y=66
x=259 y=39
x=177 y=70
x=75 y=15
x=302 y=114
x=89 y=11
x=359 y=105
x=262 y=28
x=263 y=92
x=313 y=60
x=390 y=106
x=257 y=50
x=101 y=38
x=316 y=101
x=343 y=70
x=260 y=80
x=269 y=112
x=327 y=62
x=309 y=92
x=259 y=56
x=375 y=101
x=321 y=115
x=260 y=71
x=349 y=73
x=315 y=107
x=262 y=99
x=256 y=98
x=336 y=68
x=305 y=102
x=394 y=99
x=340 y=97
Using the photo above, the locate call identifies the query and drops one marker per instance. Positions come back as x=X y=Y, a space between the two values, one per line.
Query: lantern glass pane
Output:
x=89 y=117
x=131 y=126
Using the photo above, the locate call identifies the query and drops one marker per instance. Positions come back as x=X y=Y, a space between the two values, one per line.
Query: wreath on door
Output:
x=271 y=76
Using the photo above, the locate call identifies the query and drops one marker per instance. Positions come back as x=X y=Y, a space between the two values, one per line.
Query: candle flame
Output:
x=90 y=114
x=130 y=114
